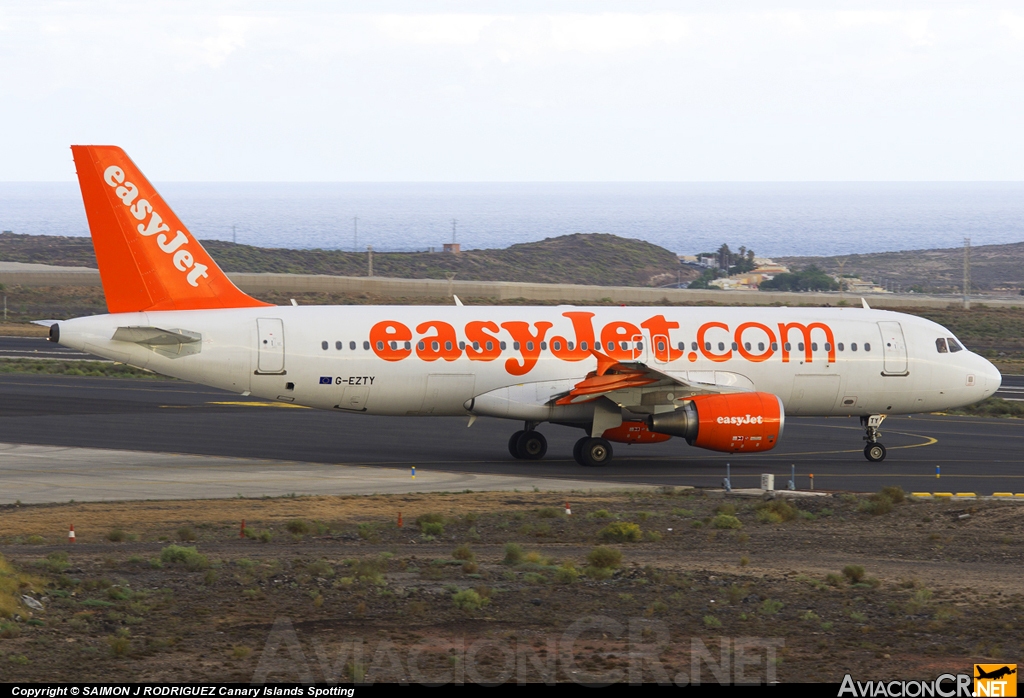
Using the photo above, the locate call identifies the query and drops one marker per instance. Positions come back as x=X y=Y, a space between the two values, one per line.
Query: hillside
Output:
x=599 y=259
x=993 y=267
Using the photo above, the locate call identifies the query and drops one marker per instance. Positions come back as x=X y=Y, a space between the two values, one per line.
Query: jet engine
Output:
x=730 y=422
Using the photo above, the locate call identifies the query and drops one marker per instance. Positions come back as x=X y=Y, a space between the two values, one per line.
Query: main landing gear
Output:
x=528 y=444
x=592 y=452
x=874 y=451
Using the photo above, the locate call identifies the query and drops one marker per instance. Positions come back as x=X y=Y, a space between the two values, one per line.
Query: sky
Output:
x=517 y=91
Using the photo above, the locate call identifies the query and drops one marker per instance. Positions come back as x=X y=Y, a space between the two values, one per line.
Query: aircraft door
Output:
x=270 y=336
x=894 y=349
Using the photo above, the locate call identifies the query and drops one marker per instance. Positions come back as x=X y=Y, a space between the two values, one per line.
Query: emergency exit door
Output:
x=270 y=333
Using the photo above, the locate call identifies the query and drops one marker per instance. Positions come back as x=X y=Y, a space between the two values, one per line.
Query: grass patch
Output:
x=513 y=554
x=620 y=532
x=603 y=557
x=469 y=600
x=298 y=527
x=726 y=521
x=191 y=558
x=775 y=511
x=854 y=573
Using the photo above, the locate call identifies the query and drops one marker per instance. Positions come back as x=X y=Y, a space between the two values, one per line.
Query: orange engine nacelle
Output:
x=634 y=433
x=730 y=422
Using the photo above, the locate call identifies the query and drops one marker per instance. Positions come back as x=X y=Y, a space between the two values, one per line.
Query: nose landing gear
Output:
x=874 y=451
x=528 y=444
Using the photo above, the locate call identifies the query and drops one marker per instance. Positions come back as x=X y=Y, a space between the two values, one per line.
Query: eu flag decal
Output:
x=325 y=380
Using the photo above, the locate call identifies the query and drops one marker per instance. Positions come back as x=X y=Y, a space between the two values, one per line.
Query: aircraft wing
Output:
x=623 y=379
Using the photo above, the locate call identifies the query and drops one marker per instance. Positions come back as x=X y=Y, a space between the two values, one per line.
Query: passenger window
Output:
x=502 y=345
x=682 y=346
x=571 y=345
x=940 y=345
x=840 y=346
x=735 y=346
x=447 y=346
x=639 y=346
x=814 y=346
x=746 y=345
x=421 y=346
x=828 y=347
x=775 y=346
x=611 y=346
x=853 y=346
x=867 y=347
x=800 y=346
x=462 y=346
x=954 y=346
x=661 y=346
x=693 y=346
x=788 y=346
x=435 y=346
x=529 y=346
x=583 y=346
x=760 y=346
x=476 y=346
x=408 y=346
x=489 y=345
x=323 y=345
x=338 y=345
x=721 y=346
x=544 y=346
x=380 y=345
x=352 y=346
x=394 y=345
x=624 y=346
x=515 y=345
x=556 y=345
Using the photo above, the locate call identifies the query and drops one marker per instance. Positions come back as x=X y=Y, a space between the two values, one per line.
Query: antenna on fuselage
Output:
x=865 y=304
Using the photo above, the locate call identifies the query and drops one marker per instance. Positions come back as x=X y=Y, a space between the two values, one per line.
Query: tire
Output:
x=577 y=450
x=532 y=445
x=596 y=453
x=513 y=444
x=874 y=452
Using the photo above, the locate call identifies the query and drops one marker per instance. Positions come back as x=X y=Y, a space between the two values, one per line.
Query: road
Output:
x=981 y=455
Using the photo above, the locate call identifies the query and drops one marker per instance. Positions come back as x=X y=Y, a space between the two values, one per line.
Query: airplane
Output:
x=722 y=379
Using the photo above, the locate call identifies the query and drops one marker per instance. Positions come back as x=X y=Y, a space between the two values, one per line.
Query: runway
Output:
x=974 y=454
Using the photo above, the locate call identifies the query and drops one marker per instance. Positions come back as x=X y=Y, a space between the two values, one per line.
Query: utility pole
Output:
x=369 y=251
x=842 y=281
x=355 y=233
x=454 y=222
x=967 y=273
x=234 y=238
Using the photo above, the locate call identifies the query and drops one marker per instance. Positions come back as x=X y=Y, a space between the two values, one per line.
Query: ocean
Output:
x=773 y=219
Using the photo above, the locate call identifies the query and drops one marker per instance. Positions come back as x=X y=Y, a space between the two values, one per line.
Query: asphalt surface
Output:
x=981 y=455
x=37 y=348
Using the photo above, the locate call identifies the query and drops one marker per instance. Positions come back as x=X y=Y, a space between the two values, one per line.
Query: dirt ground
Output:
x=494 y=587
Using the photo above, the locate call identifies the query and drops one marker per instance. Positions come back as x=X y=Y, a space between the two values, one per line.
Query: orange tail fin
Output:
x=148 y=260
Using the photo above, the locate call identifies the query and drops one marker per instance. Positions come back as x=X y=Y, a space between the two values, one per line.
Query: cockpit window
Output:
x=940 y=344
x=954 y=345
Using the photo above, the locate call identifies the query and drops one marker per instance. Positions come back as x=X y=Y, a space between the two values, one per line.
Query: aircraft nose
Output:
x=990 y=378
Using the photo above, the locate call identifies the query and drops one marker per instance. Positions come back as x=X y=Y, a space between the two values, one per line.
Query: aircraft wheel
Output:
x=577 y=450
x=874 y=452
x=513 y=444
x=532 y=445
x=596 y=452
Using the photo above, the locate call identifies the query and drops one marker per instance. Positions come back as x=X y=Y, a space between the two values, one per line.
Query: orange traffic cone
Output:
x=568 y=511
x=241 y=533
x=71 y=534
x=399 y=519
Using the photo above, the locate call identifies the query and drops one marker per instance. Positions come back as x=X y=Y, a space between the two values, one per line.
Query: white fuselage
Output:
x=278 y=353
